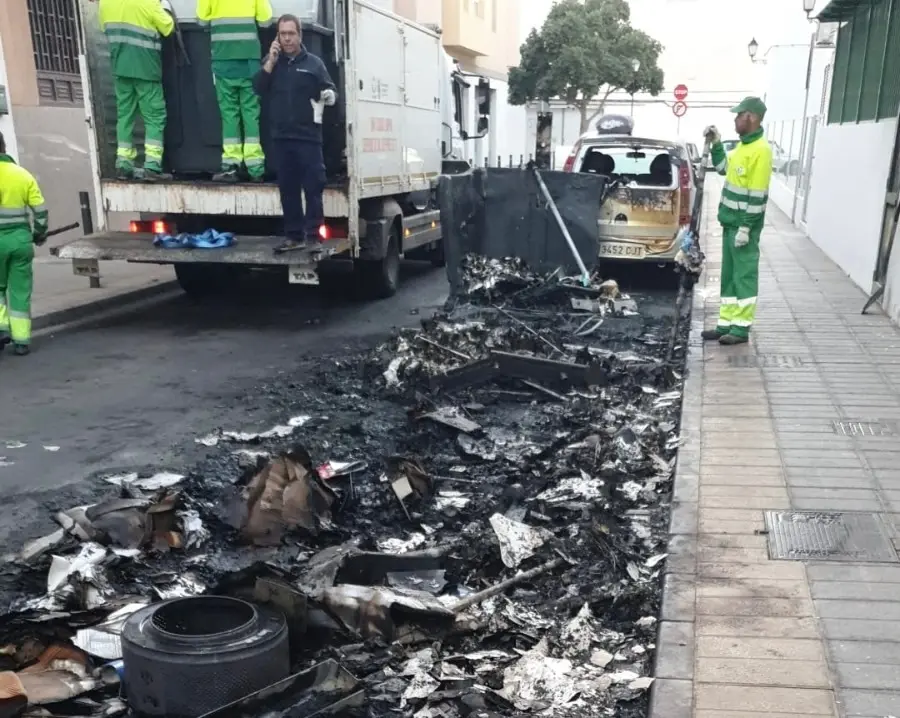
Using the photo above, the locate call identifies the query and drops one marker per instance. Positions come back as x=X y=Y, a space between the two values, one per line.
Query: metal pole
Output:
x=585 y=275
x=87 y=223
x=803 y=136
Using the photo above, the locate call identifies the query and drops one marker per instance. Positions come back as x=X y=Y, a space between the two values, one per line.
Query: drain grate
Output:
x=811 y=535
x=864 y=428
x=766 y=361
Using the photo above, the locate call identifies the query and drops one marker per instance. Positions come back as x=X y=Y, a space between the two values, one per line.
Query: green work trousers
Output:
x=238 y=104
x=739 y=283
x=144 y=97
x=16 y=282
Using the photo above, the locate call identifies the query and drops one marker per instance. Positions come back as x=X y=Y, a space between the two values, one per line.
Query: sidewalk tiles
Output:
x=804 y=418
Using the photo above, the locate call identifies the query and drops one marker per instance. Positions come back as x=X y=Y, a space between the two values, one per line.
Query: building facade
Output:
x=483 y=37
x=850 y=153
x=44 y=93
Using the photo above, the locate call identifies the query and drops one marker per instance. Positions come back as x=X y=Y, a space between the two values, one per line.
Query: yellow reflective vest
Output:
x=134 y=29
x=748 y=171
x=19 y=195
x=233 y=27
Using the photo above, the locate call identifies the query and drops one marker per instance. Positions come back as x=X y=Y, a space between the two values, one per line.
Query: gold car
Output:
x=650 y=197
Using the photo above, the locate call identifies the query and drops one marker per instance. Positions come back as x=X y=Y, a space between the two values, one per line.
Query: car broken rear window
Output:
x=644 y=165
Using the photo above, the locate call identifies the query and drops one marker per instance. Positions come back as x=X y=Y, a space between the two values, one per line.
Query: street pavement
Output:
x=134 y=391
x=803 y=419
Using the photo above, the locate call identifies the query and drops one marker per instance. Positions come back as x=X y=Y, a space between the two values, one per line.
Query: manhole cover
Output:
x=864 y=428
x=808 y=535
x=765 y=361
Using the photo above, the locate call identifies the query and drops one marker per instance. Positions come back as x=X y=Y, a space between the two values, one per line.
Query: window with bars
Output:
x=865 y=78
x=54 y=36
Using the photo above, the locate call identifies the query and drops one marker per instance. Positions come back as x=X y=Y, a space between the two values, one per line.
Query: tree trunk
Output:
x=582 y=109
x=587 y=120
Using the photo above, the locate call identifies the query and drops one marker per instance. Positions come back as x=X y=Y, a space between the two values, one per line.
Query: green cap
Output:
x=753 y=105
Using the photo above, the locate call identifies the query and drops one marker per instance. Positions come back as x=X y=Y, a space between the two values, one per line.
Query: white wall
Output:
x=785 y=87
x=507 y=130
x=6 y=121
x=846 y=200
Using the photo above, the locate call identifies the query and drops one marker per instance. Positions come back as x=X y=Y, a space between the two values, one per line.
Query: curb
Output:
x=672 y=693
x=87 y=309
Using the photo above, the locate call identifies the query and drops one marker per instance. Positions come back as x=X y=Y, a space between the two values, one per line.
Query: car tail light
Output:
x=570 y=160
x=684 y=183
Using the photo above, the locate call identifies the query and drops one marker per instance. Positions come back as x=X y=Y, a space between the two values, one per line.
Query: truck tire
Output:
x=202 y=280
x=380 y=278
x=437 y=256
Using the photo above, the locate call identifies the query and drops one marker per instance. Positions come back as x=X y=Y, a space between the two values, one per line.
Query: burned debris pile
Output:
x=467 y=521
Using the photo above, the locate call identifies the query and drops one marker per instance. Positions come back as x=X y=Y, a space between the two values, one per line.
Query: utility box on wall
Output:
x=4 y=101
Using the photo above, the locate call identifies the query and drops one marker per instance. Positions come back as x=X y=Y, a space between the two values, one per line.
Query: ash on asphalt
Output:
x=566 y=453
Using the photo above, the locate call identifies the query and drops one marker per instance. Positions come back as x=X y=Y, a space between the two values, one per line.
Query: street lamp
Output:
x=752 y=49
x=636 y=66
x=809 y=6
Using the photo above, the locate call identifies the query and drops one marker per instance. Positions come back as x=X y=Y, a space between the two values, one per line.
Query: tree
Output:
x=586 y=49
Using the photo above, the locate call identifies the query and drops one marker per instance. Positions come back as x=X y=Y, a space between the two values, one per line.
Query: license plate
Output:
x=621 y=250
x=302 y=274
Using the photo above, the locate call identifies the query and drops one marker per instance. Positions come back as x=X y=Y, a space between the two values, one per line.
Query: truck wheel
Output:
x=437 y=256
x=382 y=277
x=204 y=280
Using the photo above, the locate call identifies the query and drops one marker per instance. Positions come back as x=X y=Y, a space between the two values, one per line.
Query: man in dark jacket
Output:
x=298 y=87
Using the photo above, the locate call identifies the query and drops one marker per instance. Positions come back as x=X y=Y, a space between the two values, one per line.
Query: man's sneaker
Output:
x=226 y=175
x=291 y=245
x=150 y=175
x=124 y=173
x=712 y=335
x=257 y=179
x=21 y=350
x=729 y=340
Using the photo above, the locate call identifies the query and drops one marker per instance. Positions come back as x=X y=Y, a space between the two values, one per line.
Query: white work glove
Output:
x=712 y=135
x=167 y=6
x=742 y=238
x=329 y=97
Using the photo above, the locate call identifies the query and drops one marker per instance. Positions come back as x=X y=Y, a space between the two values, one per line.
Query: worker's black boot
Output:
x=712 y=335
x=4 y=340
x=154 y=176
x=229 y=175
x=21 y=350
x=729 y=340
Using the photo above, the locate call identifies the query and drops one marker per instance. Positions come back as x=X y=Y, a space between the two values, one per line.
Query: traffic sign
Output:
x=681 y=92
x=679 y=109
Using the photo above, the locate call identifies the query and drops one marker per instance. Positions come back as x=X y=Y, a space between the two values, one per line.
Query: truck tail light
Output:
x=156 y=226
x=570 y=160
x=324 y=233
x=684 y=183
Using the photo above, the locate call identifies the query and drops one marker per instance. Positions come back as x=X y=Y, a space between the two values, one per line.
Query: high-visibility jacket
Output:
x=233 y=27
x=19 y=196
x=133 y=28
x=747 y=170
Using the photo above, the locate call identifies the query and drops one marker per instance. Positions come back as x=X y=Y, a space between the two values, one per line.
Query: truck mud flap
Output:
x=498 y=212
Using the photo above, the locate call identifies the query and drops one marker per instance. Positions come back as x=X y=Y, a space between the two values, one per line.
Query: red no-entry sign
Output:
x=679 y=109
x=681 y=92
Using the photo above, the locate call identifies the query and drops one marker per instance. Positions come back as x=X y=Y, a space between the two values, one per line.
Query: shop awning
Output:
x=838 y=10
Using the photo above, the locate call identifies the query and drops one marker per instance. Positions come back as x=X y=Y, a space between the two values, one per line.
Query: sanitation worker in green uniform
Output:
x=742 y=214
x=23 y=223
x=135 y=29
x=236 y=52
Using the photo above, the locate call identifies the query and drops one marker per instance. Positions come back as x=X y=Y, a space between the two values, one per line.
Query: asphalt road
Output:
x=134 y=391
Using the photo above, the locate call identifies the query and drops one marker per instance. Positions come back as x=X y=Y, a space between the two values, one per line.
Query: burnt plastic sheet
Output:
x=498 y=212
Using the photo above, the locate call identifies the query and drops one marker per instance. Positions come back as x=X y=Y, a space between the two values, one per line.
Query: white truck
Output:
x=403 y=108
